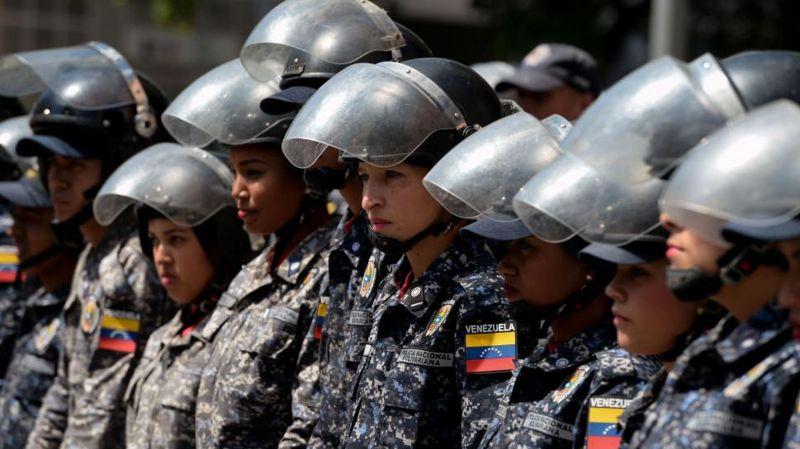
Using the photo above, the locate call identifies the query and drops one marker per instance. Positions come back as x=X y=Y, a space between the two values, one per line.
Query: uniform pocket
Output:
x=180 y=389
x=272 y=336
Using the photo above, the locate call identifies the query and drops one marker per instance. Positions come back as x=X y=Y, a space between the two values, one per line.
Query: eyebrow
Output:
x=252 y=161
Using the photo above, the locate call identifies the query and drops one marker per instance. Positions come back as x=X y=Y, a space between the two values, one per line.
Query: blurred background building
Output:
x=174 y=41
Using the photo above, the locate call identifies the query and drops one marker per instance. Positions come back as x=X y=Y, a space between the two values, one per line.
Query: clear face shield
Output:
x=744 y=174
x=480 y=176
x=223 y=105
x=185 y=184
x=378 y=113
x=570 y=198
x=642 y=126
x=336 y=31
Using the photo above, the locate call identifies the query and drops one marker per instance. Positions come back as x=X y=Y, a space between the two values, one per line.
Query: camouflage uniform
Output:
x=549 y=402
x=633 y=417
x=793 y=432
x=734 y=387
x=32 y=368
x=162 y=393
x=345 y=331
x=419 y=384
x=260 y=365
x=114 y=305
x=12 y=312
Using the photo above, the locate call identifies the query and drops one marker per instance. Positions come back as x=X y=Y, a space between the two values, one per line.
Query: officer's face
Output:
x=397 y=204
x=648 y=318
x=32 y=232
x=183 y=267
x=69 y=179
x=564 y=101
x=540 y=273
x=789 y=294
x=686 y=249
x=267 y=191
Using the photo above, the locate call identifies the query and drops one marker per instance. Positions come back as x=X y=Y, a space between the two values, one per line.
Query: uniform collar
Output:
x=425 y=289
x=301 y=257
x=575 y=351
x=769 y=327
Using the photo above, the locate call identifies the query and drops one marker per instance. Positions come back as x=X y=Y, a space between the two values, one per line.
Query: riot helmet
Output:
x=740 y=177
x=93 y=105
x=224 y=105
x=162 y=181
x=480 y=176
x=12 y=165
x=390 y=113
x=307 y=42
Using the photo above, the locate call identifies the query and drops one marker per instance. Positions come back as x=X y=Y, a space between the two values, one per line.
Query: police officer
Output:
x=34 y=358
x=94 y=113
x=254 y=388
x=734 y=387
x=191 y=232
x=570 y=363
x=343 y=315
x=554 y=79
x=416 y=385
x=13 y=289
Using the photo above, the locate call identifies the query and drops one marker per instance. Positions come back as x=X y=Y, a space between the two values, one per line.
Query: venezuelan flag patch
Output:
x=604 y=416
x=8 y=264
x=319 y=320
x=491 y=348
x=119 y=331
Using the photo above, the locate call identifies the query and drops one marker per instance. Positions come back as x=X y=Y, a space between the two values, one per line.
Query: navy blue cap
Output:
x=40 y=145
x=549 y=66
x=499 y=230
x=288 y=100
x=25 y=192
x=784 y=231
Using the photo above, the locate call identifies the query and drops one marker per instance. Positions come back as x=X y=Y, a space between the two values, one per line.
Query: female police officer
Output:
x=190 y=231
x=424 y=380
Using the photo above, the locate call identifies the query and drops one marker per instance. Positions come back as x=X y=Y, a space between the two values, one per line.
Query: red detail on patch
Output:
x=117 y=345
x=348 y=225
x=745 y=265
x=490 y=365
x=603 y=442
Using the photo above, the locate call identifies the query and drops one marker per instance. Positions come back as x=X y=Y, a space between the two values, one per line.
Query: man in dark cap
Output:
x=554 y=79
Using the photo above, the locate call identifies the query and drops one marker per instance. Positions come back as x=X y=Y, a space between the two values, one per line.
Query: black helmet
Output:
x=763 y=76
x=307 y=42
x=91 y=99
x=387 y=113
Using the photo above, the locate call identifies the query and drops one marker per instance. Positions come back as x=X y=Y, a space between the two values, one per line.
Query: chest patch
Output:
x=740 y=385
x=319 y=320
x=438 y=319
x=571 y=385
x=726 y=424
x=368 y=280
x=46 y=335
x=90 y=316
x=425 y=358
x=549 y=426
x=491 y=348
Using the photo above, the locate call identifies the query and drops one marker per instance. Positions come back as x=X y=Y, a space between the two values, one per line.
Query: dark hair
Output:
x=222 y=229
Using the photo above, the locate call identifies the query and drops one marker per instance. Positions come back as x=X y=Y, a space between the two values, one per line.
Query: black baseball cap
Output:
x=552 y=65
x=25 y=192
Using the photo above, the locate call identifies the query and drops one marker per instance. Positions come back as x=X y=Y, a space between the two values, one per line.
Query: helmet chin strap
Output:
x=692 y=284
x=395 y=248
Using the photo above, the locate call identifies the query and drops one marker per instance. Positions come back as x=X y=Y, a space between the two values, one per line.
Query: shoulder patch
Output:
x=725 y=423
x=604 y=414
x=119 y=331
x=491 y=348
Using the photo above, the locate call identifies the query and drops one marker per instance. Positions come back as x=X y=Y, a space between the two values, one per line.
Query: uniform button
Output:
x=562 y=363
x=356 y=246
x=748 y=343
x=416 y=291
